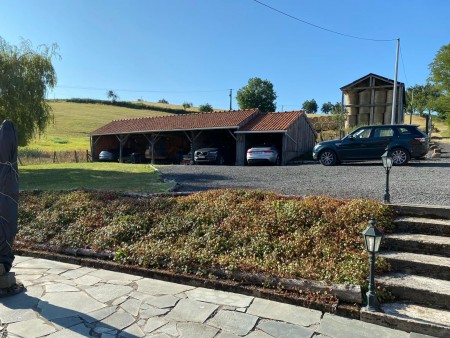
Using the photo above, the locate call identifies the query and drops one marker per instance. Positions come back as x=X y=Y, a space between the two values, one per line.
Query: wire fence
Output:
x=32 y=156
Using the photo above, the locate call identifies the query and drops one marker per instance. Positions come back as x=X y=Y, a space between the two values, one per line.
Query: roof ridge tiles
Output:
x=185 y=114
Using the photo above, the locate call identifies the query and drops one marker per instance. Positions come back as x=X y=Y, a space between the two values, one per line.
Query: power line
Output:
x=143 y=91
x=403 y=67
x=320 y=27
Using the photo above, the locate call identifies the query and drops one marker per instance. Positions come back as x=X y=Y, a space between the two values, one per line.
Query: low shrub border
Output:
x=252 y=237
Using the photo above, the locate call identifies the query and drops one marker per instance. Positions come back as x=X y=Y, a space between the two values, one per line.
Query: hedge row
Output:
x=128 y=104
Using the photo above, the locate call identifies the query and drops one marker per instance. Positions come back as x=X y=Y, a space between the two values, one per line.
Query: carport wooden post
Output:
x=240 y=149
x=122 y=139
x=192 y=139
x=152 y=140
x=94 y=144
x=284 y=141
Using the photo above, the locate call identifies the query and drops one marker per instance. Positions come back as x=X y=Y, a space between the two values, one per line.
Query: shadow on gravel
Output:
x=430 y=165
x=193 y=177
x=360 y=164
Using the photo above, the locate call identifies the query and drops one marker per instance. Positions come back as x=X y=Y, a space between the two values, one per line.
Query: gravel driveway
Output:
x=420 y=182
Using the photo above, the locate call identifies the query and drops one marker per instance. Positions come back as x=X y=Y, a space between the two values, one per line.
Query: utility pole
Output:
x=394 y=98
x=231 y=99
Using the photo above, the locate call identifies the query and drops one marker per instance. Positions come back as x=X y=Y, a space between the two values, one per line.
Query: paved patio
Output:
x=67 y=300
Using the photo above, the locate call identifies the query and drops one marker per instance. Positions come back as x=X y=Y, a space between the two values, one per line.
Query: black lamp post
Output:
x=387 y=164
x=372 y=240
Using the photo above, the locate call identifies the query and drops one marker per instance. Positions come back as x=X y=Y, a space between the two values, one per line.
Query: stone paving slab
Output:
x=30 y=328
x=219 y=297
x=284 y=330
x=67 y=304
x=234 y=322
x=340 y=327
x=188 y=310
x=107 y=292
x=73 y=301
x=157 y=287
x=284 y=312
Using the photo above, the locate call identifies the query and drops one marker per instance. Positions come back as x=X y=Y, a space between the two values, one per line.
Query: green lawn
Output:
x=102 y=176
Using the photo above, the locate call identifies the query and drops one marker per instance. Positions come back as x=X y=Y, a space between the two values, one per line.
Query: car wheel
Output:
x=278 y=161
x=220 y=160
x=328 y=157
x=400 y=156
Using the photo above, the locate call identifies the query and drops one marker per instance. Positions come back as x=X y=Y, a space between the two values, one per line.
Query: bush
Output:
x=315 y=238
x=206 y=108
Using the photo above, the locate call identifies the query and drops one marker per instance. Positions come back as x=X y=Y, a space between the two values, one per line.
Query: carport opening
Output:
x=276 y=139
x=220 y=138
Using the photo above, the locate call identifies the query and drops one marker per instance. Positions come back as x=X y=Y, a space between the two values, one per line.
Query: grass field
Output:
x=99 y=176
x=73 y=122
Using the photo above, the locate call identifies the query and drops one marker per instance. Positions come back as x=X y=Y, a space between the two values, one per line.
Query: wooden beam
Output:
x=232 y=134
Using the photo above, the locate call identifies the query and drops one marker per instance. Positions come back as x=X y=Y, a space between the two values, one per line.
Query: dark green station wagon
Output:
x=370 y=142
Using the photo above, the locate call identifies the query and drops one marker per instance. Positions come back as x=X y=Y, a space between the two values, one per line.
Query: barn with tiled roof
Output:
x=169 y=139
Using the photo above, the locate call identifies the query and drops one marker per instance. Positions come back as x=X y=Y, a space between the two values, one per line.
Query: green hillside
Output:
x=73 y=122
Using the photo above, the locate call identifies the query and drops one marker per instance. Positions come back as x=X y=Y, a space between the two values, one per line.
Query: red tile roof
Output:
x=271 y=122
x=214 y=120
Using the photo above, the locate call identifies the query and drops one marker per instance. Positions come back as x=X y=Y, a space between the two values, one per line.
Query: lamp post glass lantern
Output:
x=387 y=164
x=372 y=241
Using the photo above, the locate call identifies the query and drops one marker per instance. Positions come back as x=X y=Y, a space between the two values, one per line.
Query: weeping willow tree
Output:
x=25 y=77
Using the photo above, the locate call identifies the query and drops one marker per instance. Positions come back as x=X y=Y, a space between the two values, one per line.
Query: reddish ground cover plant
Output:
x=316 y=237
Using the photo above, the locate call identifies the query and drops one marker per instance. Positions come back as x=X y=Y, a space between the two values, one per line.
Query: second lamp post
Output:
x=387 y=164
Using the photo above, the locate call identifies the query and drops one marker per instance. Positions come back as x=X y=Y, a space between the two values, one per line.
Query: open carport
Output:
x=167 y=139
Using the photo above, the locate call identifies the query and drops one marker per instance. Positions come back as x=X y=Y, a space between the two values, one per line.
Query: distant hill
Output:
x=73 y=122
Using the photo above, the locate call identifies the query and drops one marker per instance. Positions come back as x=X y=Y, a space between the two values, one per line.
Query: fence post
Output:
x=76 y=157
x=54 y=157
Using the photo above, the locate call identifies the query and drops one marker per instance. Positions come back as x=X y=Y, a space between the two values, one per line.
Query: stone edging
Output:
x=344 y=292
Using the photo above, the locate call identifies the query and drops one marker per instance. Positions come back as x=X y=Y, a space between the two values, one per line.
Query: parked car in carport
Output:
x=213 y=155
x=263 y=154
x=112 y=155
x=404 y=141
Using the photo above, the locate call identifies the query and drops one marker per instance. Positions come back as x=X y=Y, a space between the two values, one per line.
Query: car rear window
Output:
x=404 y=131
x=383 y=132
x=411 y=131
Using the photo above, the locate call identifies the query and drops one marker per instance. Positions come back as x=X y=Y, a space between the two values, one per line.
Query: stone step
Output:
x=417 y=289
x=431 y=211
x=417 y=243
x=411 y=317
x=418 y=264
x=429 y=226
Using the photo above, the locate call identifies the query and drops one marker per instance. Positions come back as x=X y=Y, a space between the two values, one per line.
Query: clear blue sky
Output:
x=196 y=50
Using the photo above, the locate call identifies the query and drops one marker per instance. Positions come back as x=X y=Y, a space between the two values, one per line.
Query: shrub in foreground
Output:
x=315 y=237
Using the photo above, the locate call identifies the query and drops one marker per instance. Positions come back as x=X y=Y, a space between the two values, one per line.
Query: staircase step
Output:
x=418 y=243
x=411 y=317
x=439 y=227
x=417 y=289
x=417 y=264
x=432 y=211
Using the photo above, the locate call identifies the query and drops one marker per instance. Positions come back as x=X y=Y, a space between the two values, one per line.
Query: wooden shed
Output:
x=368 y=100
x=291 y=132
x=168 y=138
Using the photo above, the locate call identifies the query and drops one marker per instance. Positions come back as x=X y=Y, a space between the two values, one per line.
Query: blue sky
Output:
x=196 y=50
